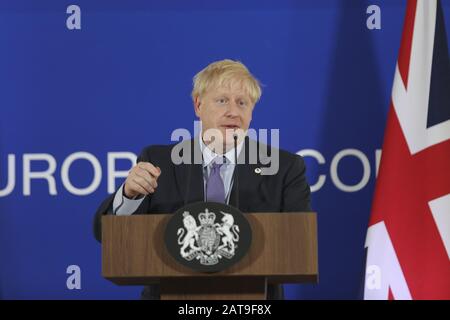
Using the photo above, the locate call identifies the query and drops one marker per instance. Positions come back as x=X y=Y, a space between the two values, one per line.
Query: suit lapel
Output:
x=189 y=177
x=246 y=172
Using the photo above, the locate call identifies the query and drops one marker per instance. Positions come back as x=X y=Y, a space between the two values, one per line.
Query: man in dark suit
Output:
x=224 y=96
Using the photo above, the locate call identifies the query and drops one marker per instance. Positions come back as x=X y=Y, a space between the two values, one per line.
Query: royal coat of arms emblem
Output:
x=211 y=240
x=208 y=236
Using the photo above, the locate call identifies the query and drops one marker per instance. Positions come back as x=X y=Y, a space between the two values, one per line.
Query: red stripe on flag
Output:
x=390 y=295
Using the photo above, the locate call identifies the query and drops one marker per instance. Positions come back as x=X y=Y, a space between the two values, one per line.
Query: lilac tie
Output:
x=215 y=190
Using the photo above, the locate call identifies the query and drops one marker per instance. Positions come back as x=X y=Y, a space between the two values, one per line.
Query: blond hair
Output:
x=224 y=73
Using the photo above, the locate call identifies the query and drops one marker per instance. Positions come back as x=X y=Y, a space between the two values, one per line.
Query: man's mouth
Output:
x=231 y=126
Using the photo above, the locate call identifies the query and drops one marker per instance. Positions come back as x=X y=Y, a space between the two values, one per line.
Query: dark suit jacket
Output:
x=285 y=191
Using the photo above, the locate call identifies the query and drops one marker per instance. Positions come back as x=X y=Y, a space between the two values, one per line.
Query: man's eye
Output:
x=221 y=101
x=242 y=103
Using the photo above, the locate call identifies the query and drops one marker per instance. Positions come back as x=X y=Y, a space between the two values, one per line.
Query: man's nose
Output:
x=232 y=109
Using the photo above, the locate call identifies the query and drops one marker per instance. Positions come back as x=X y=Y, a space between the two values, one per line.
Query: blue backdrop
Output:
x=123 y=81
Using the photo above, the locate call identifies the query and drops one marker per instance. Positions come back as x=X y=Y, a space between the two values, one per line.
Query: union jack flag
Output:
x=408 y=239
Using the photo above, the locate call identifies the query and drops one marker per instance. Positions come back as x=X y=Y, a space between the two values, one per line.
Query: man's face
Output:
x=226 y=109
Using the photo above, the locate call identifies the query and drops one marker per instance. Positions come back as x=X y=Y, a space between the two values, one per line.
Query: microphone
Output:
x=236 y=173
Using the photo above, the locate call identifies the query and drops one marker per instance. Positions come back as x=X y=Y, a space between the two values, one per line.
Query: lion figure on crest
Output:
x=229 y=231
x=191 y=235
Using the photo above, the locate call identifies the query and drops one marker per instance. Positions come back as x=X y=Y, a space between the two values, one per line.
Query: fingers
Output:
x=154 y=171
x=142 y=186
x=142 y=180
x=144 y=174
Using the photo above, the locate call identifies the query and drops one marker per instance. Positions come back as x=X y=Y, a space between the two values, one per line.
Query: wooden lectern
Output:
x=283 y=250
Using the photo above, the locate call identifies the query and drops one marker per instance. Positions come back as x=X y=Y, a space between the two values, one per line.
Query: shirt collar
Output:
x=209 y=155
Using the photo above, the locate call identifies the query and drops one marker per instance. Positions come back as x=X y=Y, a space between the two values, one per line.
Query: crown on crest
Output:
x=207 y=217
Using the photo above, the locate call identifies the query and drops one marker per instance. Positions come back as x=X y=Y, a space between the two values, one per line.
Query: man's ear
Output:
x=197 y=106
